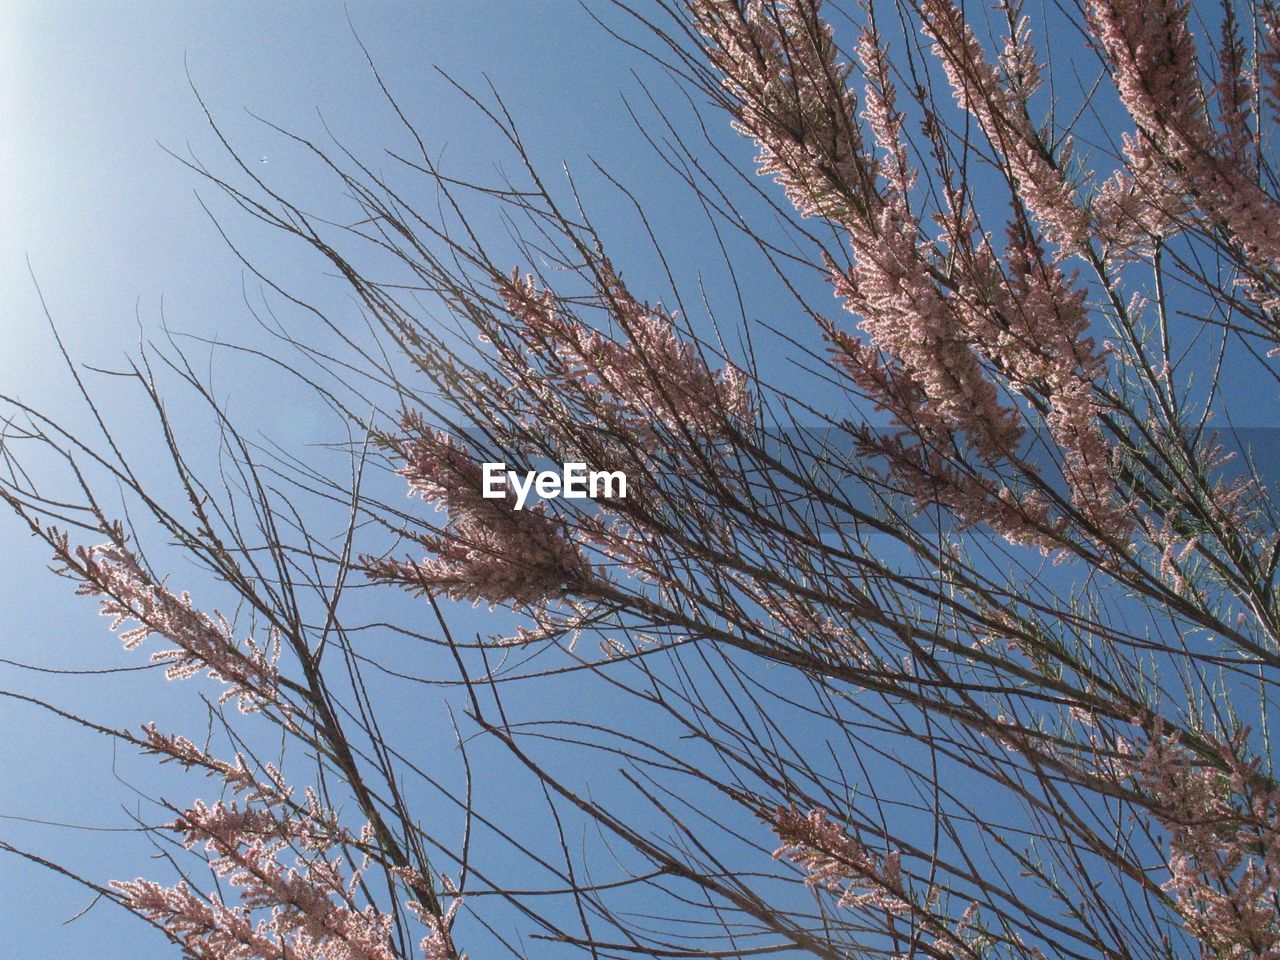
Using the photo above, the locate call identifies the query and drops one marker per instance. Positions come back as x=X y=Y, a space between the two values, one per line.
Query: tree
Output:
x=961 y=643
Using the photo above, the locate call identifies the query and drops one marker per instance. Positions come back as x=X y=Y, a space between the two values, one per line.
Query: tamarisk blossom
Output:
x=306 y=911
x=1269 y=54
x=865 y=880
x=1223 y=823
x=880 y=111
x=1135 y=204
x=438 y=943
x=206 y=929
x=839 y=863
x=1152 y=55
x=789 y=92
x=654 y=377
x=235 y=773
x=926 y=333
x=939 y=336
x=927 y=475
x=1045 y=348
x=791 y=96
x=1234 y=90
x=129 y=595
x=921 y=367
x=1001 y=111
x=488 y=551
x=1029 y=319
x=772 y=65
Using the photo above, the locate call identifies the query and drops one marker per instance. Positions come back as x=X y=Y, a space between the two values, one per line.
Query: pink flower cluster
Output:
x=839 y=863
x=1029 y=322
x=927 y=335
x=488 y=551
x=1045 y=346
x=782 y=68
x=1001 y=111
x=129 y=595
x=311 y=908
x=941 y=338
x=1151 y=50
x=1269 y=54
x=1223 y=821
x=438 y=943
x=304 y=911
x=882 y=116
x=235 y=773
x=654 y=377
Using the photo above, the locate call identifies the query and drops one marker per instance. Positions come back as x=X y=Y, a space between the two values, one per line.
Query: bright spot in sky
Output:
x=9 y=53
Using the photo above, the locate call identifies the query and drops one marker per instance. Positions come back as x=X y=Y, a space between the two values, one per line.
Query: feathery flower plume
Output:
x=1135 y=204
x=1153 y=59
x=306 y=911
x=1269 y=54
x=438 y=943
x=655 y=377
x=129 y=595
x=236 y=773
x=839 y=863
x=488 y=551
x=1001 y=112
x=1045 y=348
x=927 y=335
x=881 y=113
x=791 y=96
x=932 y=338
x=1224 y=843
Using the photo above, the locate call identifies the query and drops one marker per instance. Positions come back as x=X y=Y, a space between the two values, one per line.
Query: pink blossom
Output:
x=840 y=863
x=882 y=115
x=236 y=773
x=488 y=551
x=926 y=333
x=653 y=377
x=1001 y=112
x=1044 y=346
x=128 y=595
x=792 y=98
x=940 y=340
x=1223 y=822
x=1152 y=54
x=305 y=911
x=1269 y=54
x=438 y=943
